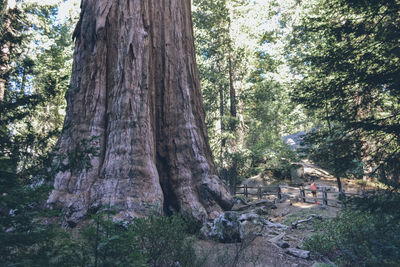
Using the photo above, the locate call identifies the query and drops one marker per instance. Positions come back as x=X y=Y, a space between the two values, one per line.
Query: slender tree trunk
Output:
x=233 y=113
x=223 y=171
x=135 y=84
x=221 y=117
x=5 y=45
x=223 y=168
x=334 y=151
x=232 y=93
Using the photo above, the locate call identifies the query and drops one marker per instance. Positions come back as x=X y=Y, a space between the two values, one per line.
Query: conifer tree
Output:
x=347 y=54
x=35 y=81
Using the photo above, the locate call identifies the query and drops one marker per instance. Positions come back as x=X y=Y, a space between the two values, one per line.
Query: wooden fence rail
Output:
x=323 y=191
x=322 y=194
x=261 y=191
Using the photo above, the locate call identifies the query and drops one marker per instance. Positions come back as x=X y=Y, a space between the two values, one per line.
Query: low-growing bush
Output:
x=163 y=241
x=151 y=241
x=359 y=237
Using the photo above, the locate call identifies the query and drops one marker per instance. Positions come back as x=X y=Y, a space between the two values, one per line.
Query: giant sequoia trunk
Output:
x=135 y=85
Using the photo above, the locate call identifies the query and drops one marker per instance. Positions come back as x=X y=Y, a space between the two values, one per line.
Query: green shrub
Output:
x=101 y=242
x=359 y=237
x=163 y=240
x=151 y=241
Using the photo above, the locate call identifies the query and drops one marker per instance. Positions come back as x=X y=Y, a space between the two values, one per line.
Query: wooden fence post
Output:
x=279 y=192
x=246 y=193
x=259 y=192
x=324 y=196
x=303 y=194
x=300 y=193
x=342 y=197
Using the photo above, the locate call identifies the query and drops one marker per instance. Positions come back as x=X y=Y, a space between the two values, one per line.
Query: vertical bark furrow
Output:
x=131 y=154
x=135 y=84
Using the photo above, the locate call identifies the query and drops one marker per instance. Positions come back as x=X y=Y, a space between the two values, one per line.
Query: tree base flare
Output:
x=135 y=86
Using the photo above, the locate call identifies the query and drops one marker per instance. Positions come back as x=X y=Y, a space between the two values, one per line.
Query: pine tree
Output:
x=347 y=54
x=34 y=84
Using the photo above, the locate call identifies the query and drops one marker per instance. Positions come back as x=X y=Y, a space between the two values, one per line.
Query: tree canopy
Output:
x=348 y=56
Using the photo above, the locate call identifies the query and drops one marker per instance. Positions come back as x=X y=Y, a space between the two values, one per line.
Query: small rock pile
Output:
x=234 y=226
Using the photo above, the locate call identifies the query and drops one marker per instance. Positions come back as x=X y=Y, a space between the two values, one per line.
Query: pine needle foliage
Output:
x=347 y=55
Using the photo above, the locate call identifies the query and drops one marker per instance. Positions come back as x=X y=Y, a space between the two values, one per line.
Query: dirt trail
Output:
x=258 y=250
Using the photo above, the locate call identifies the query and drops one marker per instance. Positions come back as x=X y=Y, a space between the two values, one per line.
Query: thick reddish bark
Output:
x=135 y=84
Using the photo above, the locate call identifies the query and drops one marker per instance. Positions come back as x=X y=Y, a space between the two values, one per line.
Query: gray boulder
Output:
x=250 y=216
x=226 y=228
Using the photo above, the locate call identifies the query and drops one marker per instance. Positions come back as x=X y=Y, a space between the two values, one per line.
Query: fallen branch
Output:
x=275 y=225
x=292 y=238
x=277 y=238
x=294 y=224
x=304 y=254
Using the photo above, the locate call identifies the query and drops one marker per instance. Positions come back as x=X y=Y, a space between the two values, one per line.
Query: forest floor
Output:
x=260 y=250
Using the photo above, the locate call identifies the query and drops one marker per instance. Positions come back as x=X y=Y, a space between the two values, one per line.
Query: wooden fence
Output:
x=304 y=194
x=324 y=198
x=261 y=191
